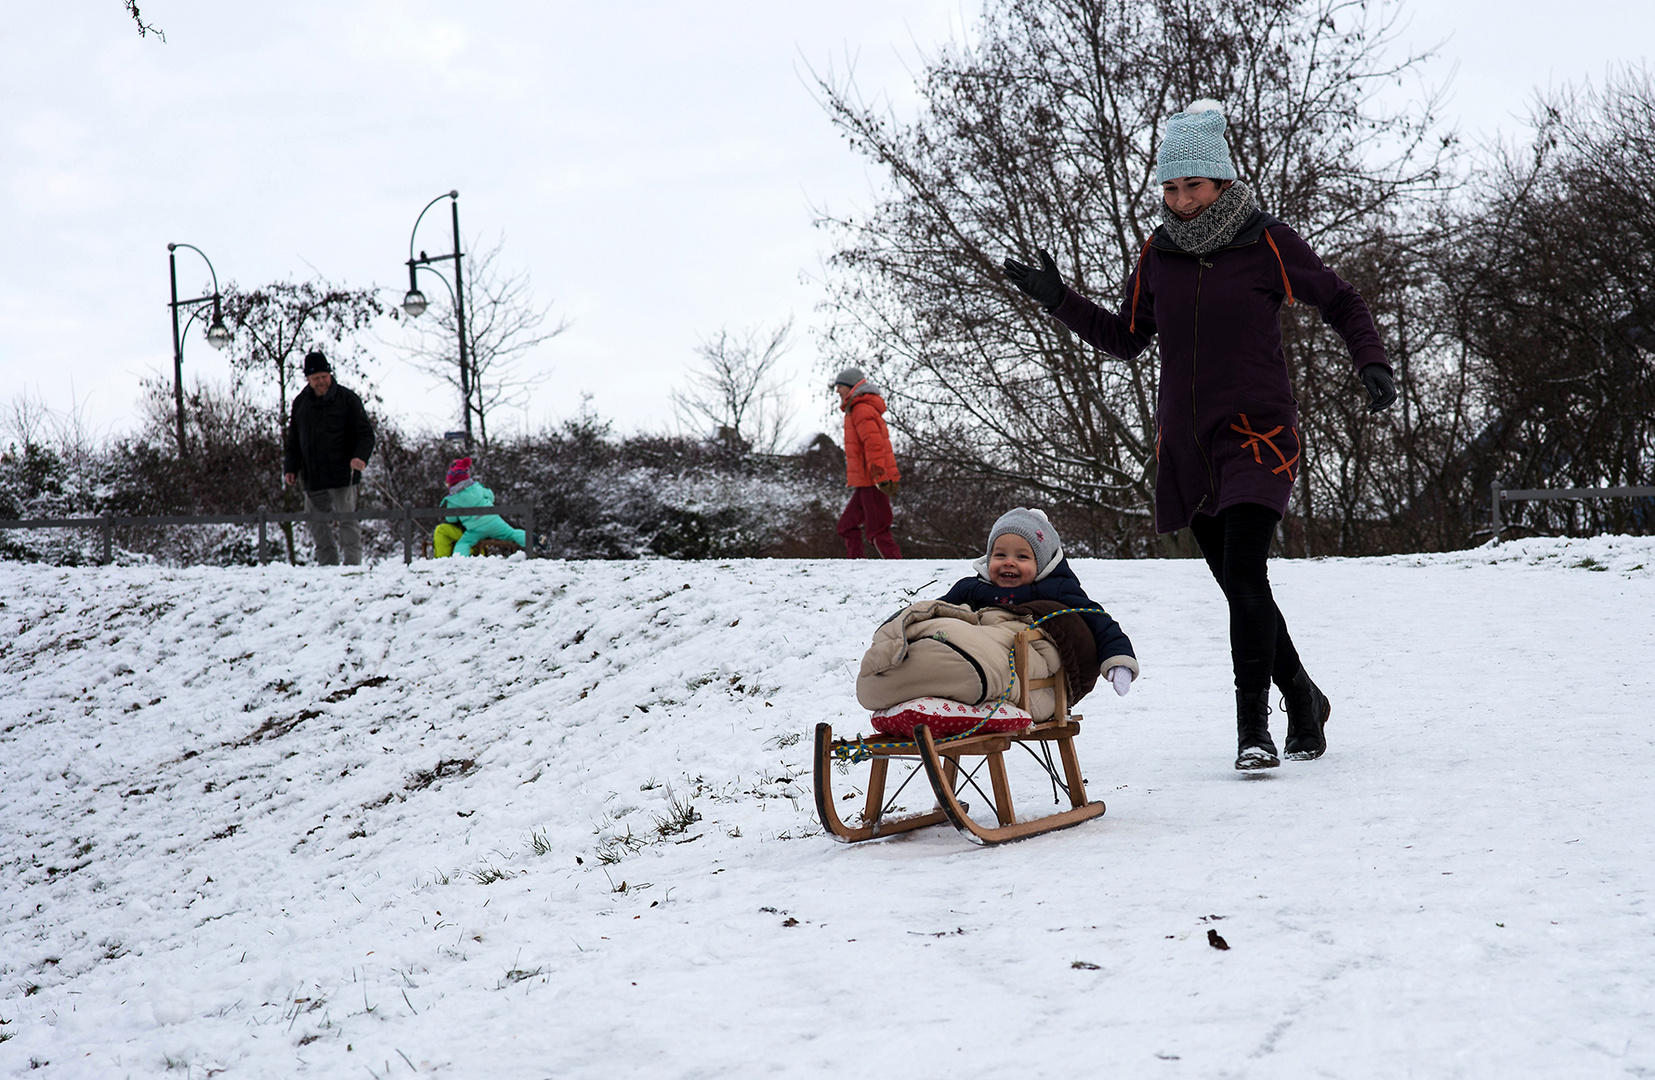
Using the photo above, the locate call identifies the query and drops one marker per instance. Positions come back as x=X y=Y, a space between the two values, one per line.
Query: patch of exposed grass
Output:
x=341 y=695
x=448 y=767
x=616 y=848
x=276 y=728
x=680 y=815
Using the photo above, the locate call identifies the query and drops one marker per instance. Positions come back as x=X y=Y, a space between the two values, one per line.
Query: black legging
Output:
x=1236 y=543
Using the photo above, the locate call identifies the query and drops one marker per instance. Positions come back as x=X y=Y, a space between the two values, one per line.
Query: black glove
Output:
x=1381 y=388
x=1045 y=285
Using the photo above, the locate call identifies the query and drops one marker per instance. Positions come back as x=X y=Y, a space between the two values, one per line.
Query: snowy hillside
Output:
x=484 y=818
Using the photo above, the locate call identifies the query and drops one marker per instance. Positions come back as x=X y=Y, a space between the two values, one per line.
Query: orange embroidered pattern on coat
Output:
x=1253 y=439
x=1137 y=280
x=1285 y=284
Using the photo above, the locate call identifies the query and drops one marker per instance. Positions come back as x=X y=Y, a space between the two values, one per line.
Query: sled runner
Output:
x=953 y=766
x=490 y=546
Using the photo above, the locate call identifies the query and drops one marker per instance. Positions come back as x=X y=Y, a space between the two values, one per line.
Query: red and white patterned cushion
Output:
x=946 y=718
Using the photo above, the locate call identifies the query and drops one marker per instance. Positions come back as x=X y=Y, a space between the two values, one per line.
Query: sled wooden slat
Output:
x=876 y=788
x=959 y=815
x=942 y=764
x=1071 y=766
x=1002 y=786
x=873 y=825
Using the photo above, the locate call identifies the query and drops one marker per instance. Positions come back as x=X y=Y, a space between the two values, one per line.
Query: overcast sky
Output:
x=652 y=165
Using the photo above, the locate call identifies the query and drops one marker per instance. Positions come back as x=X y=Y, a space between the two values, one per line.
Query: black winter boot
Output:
x=1307 y=712
x=1254 y=748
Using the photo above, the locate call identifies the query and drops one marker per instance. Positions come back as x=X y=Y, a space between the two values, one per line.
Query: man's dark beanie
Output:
x=315 y=363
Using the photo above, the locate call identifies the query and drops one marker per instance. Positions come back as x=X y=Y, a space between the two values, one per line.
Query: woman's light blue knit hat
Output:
x=1194 y=145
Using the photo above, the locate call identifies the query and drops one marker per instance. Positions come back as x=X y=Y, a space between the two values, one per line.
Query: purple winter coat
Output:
x=1226 y=422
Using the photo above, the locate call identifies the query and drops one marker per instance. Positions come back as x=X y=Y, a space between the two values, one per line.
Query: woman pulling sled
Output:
x=1209 y=285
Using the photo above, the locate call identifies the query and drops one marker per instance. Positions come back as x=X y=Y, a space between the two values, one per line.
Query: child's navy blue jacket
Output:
x=1060 y=585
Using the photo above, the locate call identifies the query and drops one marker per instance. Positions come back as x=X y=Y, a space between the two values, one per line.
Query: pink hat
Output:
x=460 y=471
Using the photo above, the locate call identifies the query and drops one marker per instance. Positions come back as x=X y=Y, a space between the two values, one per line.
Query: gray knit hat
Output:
x=1194 y=145
x=1036 y=528
x=849 y=377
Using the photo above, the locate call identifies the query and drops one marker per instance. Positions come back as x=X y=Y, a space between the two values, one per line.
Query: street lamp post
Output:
x=414 y=303
x=218 y=335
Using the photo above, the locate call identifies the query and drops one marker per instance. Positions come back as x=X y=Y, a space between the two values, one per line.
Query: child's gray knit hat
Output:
x=1036 y=528
x=1194 y=145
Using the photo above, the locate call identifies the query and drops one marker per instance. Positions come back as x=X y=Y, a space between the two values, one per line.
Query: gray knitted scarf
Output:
x=1215 y=226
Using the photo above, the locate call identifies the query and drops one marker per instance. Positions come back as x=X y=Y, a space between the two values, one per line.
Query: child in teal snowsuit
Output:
x=458 y=535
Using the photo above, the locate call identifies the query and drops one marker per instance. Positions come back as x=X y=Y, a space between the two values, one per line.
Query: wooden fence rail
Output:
x=1500 y=495
x=265 y=517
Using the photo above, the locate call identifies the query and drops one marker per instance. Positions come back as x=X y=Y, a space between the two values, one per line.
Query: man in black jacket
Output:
x=329 y=440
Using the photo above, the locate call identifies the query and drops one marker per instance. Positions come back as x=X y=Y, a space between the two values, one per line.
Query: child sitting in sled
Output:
x=1025 y=565
x=944 y=662
x=458 y=535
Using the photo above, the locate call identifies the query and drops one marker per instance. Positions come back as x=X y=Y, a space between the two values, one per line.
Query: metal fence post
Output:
x=407 y=536
x=530 y=546
x=262 y=548
x=1494 y=494
x=108 y=539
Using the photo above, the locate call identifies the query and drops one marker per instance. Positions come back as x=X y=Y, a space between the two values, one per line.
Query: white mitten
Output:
x=1122 y=678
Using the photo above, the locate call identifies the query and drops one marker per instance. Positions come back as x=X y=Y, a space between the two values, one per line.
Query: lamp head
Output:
x=218 y=335
x=413 y=303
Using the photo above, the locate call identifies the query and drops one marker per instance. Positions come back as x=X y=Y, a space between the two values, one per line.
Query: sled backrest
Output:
x=1057 y=681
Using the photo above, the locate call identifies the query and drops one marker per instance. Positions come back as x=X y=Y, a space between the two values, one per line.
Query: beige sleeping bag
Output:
x=933 y=649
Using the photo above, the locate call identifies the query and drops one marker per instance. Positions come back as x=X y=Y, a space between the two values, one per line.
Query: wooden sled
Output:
x=946 y=765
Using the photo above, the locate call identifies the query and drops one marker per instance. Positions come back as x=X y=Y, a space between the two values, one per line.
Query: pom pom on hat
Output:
x=1194 y=145
x=460 y=471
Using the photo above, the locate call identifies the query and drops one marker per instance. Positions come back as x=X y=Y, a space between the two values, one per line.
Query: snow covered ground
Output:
x=278 y=822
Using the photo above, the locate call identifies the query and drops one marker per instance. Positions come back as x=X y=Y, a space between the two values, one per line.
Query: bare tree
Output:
x=275 y=325
x=25 y=420
x=144 y=28
x=736 y=390
x=503 y=326
x=29 y=421
x=1549 y=279
x=1396 y=482
x=1042 y=133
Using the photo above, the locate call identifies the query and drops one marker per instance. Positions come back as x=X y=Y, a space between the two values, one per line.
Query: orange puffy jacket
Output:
x=869 y=459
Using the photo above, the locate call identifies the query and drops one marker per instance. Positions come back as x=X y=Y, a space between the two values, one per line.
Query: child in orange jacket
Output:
x=870 y=467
